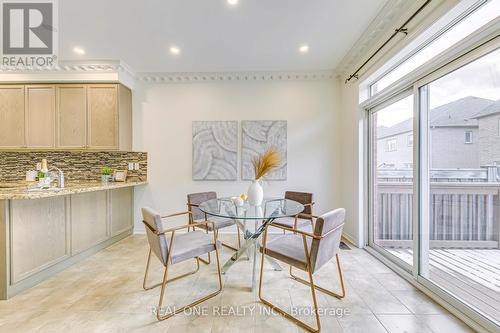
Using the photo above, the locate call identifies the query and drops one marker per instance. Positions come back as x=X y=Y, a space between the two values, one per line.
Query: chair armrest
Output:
x=309 y=204
x=309 y=215
x=295 y=231
x=180 y=227
x=175 y=214
x=192 y=205
x=306 y=233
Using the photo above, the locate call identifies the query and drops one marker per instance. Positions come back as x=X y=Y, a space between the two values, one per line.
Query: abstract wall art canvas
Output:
x=256 y=137
x=215 y=150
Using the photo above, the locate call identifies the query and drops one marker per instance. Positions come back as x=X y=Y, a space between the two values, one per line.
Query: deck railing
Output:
x=464 y=208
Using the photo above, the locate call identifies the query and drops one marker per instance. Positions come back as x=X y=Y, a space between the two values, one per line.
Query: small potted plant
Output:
x=106 y=174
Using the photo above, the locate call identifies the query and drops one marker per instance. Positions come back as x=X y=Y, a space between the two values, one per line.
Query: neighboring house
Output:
x=489 y=134
x=455 y=137
x=395 y=146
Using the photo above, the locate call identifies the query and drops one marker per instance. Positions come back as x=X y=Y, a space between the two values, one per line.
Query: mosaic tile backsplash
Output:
x=76 y=165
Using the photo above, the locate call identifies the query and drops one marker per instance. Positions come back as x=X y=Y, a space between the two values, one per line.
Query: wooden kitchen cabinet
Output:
x=121 y=210
x=12 y=115
x=71 y=116
x=89 y=220
x=66 y=116
x=40 y=235
x=40 y=116
x=103 y=116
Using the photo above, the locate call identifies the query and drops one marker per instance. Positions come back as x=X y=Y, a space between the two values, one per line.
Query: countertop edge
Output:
x=85 y=188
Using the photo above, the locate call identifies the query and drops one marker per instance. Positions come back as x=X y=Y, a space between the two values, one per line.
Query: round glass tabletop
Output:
x=269 y=209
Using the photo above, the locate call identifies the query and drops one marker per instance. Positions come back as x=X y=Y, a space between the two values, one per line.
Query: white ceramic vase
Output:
x=255 y=193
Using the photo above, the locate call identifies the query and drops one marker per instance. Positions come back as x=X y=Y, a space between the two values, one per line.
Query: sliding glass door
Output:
x=460 y=217
x=391 y=155
x=434 y=156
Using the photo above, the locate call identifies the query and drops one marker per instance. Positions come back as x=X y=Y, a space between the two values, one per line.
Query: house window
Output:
x=409 y=140
x=468 y=137
x=390 y=145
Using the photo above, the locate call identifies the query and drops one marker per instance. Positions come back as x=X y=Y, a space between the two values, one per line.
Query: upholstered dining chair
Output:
x=303 y=219
x=308 y=252
x=193 y=202
x=175 y=249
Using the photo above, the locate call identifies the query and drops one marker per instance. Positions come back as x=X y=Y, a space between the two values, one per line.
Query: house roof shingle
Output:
x=490 y=110
x=460 y=113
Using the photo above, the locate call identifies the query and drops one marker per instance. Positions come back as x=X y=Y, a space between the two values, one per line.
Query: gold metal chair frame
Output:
x=167 y=266
x=207 y=262
x=309 y=283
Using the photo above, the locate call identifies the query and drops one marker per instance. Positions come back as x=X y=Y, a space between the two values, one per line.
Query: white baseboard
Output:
x=350 y=239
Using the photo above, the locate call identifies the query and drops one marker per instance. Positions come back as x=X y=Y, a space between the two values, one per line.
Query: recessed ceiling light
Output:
x=175 y=50
x=78 y=50
x=232 y=2
x=304 y=48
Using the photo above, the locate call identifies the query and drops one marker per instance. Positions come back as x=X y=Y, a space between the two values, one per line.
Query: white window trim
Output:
x=465 y=10
x=488 y=34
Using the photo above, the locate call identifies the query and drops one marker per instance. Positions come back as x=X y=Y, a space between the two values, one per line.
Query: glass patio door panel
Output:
x=391 y=154
x=460 y=213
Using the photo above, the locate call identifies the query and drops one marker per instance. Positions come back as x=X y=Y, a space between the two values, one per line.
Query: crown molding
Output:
x=386 y=21
x=236 y=76
x=73 y=71
x=116 y=70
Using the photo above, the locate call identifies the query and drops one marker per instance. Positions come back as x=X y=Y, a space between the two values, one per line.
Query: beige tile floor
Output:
x=104 y=294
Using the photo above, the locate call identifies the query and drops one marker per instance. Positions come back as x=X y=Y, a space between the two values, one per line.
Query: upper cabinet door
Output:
x=40 y=116
x=102 y=116
x=12 y=117
x=71 y=111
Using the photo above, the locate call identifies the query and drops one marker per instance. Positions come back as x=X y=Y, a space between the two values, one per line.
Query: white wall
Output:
x=163 y=114
x=352 y=187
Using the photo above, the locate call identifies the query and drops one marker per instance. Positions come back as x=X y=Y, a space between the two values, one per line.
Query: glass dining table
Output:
x=253 y=220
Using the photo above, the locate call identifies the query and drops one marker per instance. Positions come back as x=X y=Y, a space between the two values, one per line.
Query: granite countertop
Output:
x=24 y=190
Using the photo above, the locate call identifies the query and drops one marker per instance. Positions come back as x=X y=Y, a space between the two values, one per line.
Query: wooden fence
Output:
x=464 y=208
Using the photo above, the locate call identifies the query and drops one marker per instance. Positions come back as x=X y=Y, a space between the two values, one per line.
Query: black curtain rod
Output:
x=402 y=29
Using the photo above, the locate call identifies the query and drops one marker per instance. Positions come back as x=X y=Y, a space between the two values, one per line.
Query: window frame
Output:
x=433 y=37
x=471 y=137
x=370 y=169
x=391 y=145
x=409 y=140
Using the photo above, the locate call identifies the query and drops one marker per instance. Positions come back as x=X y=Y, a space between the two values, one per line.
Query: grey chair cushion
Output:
x=289 y=248
x=191 y=245
x=157 y=243
x=219 y=222
x=186 y=245
x=196 y=199
x=290 y=222
x=325 y=249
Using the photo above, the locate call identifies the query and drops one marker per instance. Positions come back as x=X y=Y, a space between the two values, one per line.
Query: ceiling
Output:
x=255 y=35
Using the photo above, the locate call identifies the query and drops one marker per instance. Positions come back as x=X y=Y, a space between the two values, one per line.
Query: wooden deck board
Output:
x=471 y=274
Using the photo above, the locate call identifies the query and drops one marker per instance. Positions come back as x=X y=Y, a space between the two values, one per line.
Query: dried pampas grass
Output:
x=266 y=162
